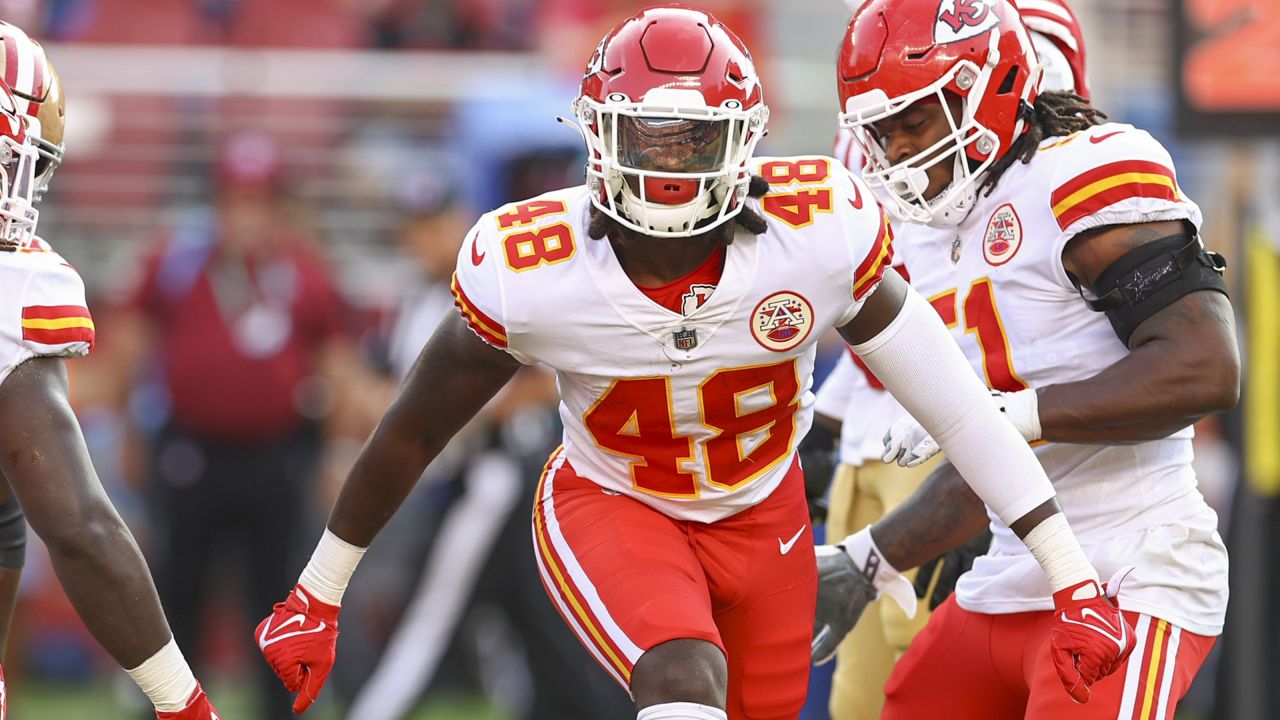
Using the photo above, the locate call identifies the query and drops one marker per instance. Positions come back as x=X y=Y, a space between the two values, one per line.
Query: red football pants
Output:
x=626 y=578
x=966 y=665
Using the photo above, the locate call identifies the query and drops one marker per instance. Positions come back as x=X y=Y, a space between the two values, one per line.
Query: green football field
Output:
x=101 y=701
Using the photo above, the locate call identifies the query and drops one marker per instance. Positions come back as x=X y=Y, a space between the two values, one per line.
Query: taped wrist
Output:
x=1147 y=278
x=885 y=578
x=330 y=568
x=1058 y=551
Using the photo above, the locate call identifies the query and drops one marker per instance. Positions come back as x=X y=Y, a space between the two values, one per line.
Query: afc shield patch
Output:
x=782 y=321
x=1003 y=236
x=686 y=339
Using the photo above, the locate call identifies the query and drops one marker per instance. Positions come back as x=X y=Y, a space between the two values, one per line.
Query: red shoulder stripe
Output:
x=880 y=257
x=481 y=324
x=1108 y=184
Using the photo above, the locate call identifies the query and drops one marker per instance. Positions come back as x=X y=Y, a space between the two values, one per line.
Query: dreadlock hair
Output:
x=601 y=224
x=1056 y=113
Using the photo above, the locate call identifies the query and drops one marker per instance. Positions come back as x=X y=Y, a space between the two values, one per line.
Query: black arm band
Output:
x=13 y=534
x=1149 y=277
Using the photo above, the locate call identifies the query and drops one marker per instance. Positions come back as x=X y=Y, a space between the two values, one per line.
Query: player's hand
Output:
x=843 y=593
x=908 y=444
x=1090 y=637
x=850 y=575
x=818 y=461
x=937 y=578
x=299 y=640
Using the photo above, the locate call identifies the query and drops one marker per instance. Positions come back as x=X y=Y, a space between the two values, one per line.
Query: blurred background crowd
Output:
x=265 y=199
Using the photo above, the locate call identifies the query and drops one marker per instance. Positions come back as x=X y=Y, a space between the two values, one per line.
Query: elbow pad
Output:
x=1144 y=280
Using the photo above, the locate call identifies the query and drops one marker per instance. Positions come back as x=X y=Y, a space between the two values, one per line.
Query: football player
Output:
x=44 y=463
x=678 y=295
x=863 y=488
x=1066 y=259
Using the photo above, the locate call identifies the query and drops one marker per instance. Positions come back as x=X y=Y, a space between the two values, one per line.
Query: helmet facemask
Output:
x=670 y=166
x=17 y=187
x=970 y=146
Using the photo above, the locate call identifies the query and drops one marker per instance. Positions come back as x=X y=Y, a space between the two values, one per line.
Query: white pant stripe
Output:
x=1170 y=664
x=586 y=589
x=583 y=636
x=1133 y=674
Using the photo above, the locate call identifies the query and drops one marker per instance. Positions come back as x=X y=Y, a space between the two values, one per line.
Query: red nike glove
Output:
x=1091 y=639
x=299 y=641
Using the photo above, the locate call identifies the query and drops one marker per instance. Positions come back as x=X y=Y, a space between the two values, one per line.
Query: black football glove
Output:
x=818 y=460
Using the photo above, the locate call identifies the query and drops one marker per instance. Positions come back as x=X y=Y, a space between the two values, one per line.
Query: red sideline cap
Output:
x=249 y=157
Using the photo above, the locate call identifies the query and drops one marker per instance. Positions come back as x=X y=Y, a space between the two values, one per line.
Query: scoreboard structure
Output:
x=1227 y=66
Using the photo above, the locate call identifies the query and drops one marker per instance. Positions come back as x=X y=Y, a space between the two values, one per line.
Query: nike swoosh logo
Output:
x=1095 y=139
x=785 y=547
x=476 y=257
x=271 y=635
x=856 y=202
x=1109 y=631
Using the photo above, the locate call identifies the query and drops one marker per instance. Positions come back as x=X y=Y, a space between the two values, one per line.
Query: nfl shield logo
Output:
x=686 y=339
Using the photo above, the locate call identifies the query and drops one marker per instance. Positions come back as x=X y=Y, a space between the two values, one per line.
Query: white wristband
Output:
x=1056 y=549
x=861 y=548
x=1022 y=408
x=329 y=570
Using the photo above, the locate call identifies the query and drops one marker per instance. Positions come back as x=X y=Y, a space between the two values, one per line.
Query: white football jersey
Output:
x=999 y=283
x=696 y=415
x=42 y=308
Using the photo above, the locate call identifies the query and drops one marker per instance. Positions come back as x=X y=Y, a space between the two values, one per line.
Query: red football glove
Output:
x=1091 y=639
x=299 y=641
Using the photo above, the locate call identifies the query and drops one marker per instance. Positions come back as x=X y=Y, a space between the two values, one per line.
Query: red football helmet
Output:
x=1059 y=43
x=38 y=91
x=17 y=174
x=898 y=52
x=671 y=109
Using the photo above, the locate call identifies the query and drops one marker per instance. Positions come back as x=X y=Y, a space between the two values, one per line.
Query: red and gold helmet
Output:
x=17 y=174
x=1059 y=43
x=900 y=52
x=38 y=91
x=671 y=109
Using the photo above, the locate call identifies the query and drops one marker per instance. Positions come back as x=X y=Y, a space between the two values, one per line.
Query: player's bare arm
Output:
x=456 y=374
x=941 y=515
x=44 y=458
x=1183 y=362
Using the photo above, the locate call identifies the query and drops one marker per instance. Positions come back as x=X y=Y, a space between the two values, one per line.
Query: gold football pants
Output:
x=859 y=497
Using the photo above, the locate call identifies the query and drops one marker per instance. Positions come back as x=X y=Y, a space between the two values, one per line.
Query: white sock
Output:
x=166 y=678
x=330 y=568
x=681 y=711
x=1058 y=551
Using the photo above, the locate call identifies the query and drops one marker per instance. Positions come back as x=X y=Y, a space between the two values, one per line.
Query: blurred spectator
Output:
x=473 y=599
x=237 y=319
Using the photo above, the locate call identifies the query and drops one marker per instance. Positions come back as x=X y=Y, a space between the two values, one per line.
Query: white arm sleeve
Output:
x=921 y=365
